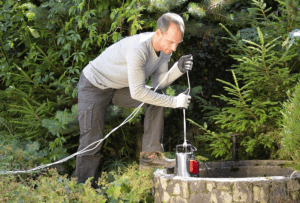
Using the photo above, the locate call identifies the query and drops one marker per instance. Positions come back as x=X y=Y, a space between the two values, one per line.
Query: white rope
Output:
x=293 y=174
x=184 y=119
x=98 y=141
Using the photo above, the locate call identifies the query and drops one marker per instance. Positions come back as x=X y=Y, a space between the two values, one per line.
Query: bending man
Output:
x=118 y=74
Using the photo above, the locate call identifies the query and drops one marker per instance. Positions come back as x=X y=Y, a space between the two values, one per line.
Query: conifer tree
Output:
x=266 y=58
x=290 y=126
x=202 y=16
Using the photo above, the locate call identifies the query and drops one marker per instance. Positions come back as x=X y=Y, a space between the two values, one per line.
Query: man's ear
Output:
x=158 y=32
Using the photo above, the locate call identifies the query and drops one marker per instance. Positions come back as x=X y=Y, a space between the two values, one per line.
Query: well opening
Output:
x=244 y=169
x=230 y=181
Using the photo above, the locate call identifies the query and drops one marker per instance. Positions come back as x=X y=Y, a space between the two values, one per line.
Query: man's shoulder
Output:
x=145 y=36
x=135 y=42
x=139 y=42
x=138 y=39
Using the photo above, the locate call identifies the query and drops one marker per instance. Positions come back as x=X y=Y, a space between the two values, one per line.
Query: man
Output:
x=118 y=75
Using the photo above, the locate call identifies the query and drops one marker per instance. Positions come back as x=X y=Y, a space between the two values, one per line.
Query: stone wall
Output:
x=169 y=188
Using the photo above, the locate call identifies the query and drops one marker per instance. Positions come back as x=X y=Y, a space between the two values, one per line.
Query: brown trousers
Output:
x=92 y=107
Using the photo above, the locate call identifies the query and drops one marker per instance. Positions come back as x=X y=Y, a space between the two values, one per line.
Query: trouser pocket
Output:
x=85 y=116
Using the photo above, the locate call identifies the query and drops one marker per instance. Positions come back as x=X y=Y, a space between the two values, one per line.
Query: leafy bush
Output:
x=129 y=184
x=51 y=187
x=133 y=185
x=17 y=155
x=43 y=50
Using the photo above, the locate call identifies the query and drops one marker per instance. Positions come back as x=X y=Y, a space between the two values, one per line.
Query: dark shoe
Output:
x=94 y=185
x=155 y=159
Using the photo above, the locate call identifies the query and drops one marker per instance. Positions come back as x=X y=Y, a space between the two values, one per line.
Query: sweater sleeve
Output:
x=136 y=60
x=161 y=72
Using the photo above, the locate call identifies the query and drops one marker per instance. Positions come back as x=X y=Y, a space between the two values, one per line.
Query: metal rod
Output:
x=234 y=148
x=235 y=145
x=184 y=127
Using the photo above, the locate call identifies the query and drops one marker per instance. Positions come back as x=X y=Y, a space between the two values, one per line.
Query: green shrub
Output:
x=133 y=185
x=129 y=184
x=48 y=188
x=291 y=125
x=20 y=155
x=261 y=77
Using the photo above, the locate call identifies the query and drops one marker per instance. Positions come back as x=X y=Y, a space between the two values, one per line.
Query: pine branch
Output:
x=205 y=129
x=241 y=100
x=46 y=57
x=6 y=126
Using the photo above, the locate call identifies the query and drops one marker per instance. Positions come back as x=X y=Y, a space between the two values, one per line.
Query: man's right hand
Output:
x=183 y=100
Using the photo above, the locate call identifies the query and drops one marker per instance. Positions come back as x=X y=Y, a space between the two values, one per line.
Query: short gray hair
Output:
x=165 y=20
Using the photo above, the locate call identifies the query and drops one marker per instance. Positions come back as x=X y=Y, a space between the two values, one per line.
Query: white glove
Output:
x=183 y=101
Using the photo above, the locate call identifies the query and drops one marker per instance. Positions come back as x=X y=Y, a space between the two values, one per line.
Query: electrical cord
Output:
x=98 y=141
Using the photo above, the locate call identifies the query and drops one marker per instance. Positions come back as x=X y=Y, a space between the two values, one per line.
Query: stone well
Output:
x=232 y=181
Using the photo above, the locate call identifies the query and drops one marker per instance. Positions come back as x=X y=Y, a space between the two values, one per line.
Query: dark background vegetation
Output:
x=46 y=44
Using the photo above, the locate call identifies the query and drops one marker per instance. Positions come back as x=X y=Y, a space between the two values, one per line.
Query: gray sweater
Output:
x=128 y=63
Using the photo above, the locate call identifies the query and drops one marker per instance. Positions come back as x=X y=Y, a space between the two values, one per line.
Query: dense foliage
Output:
x=266 y=69
x=131 y=186
x=290 y=130
x=46 y=44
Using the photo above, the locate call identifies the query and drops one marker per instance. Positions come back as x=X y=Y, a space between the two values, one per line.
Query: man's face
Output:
x=170 y=39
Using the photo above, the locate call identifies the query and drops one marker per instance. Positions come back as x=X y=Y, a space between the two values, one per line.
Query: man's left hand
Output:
x=185 y=63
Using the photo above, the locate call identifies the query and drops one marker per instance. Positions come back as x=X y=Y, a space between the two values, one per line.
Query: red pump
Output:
x=193 y=166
